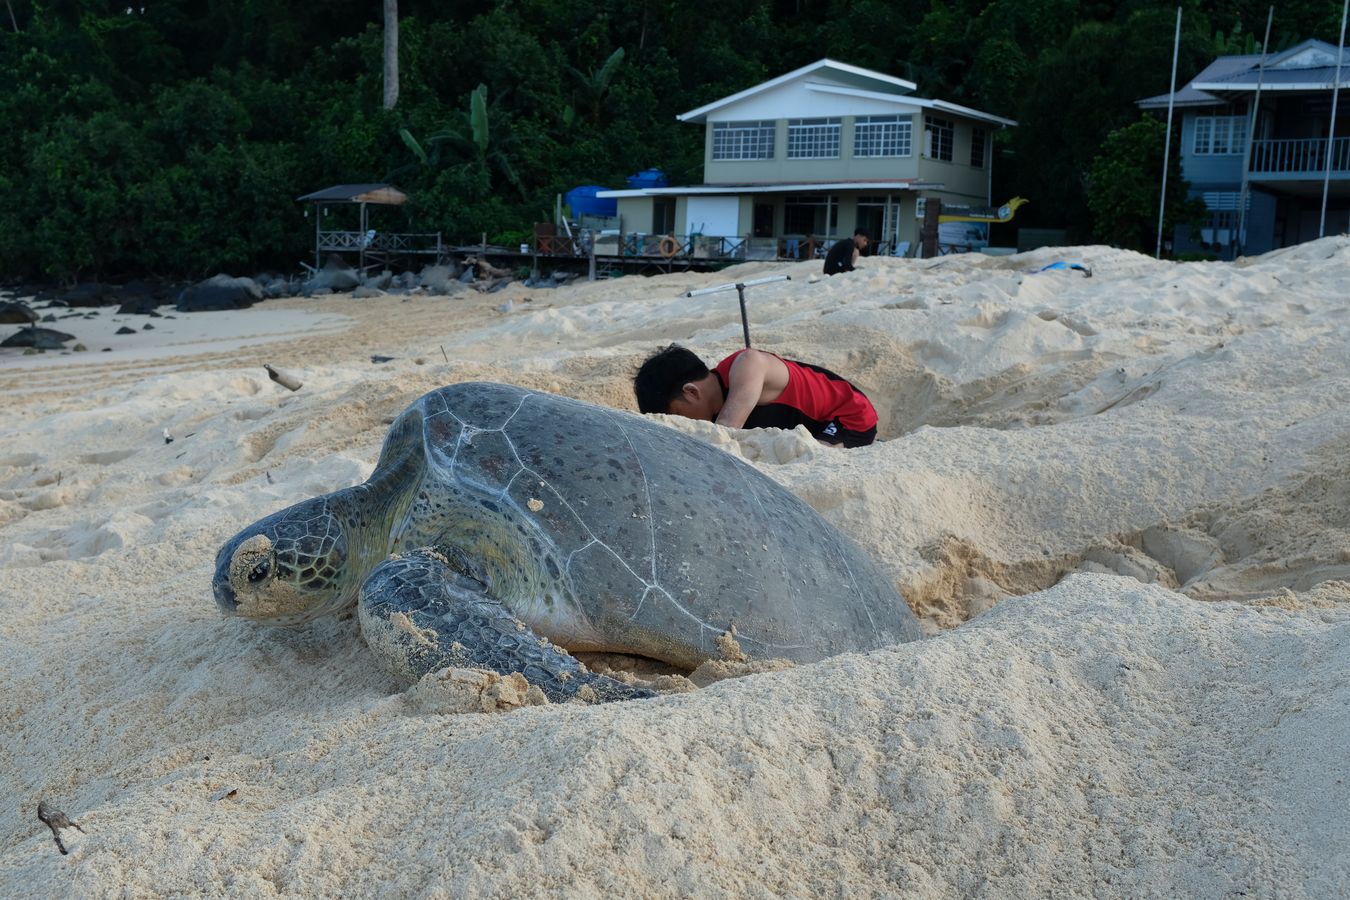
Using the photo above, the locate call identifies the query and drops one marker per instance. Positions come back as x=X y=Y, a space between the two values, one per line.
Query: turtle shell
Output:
x=662 y=541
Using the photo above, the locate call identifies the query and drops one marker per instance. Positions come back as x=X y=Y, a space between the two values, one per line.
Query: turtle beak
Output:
x=220 y=585
x=225 y=598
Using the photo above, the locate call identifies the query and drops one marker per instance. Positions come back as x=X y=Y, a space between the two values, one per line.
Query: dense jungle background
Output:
x=172 y=137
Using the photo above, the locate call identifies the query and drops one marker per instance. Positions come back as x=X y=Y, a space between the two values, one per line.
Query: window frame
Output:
x=979 y=140
x=743 y=138
x=1214 y=131
x=934 y=127
x=814 y=138
x=902 y=136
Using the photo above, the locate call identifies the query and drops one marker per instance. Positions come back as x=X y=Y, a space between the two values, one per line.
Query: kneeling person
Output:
x=754 y=389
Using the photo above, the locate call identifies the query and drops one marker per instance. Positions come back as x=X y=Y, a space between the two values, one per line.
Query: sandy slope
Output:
x=1077 y=465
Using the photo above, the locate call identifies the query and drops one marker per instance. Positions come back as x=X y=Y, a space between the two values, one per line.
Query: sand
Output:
x=1119 y=504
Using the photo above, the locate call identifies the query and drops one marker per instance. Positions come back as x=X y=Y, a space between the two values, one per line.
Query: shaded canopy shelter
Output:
x=365 y=241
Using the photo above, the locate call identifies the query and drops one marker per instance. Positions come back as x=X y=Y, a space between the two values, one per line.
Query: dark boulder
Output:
x=125 y=330
x=140 y=298
x=139 y=306
x=219 y=292
x=13 y=312
x=41 y=338
x=333 y=277
x=90 y=293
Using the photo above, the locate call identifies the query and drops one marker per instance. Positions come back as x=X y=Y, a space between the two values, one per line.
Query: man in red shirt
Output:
x=754 y=389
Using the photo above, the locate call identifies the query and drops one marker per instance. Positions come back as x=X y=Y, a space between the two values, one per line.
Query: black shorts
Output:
x=834 y=433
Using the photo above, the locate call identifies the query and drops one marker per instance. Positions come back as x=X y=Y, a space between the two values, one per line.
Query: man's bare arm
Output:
x=755 y=377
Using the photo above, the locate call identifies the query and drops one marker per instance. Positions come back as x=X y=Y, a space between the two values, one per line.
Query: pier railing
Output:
x=733 y=248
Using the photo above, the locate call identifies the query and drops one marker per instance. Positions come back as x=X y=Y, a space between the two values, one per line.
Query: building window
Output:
x=977 y=140
x=882 y=136
x=811 y=215
x=743 y=140
x=1219 y=135
x=939 y=137
x=813 y=139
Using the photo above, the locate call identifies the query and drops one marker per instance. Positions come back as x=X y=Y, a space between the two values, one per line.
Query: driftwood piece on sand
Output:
x=285 y=379
x=486 y=269
x=56 y=820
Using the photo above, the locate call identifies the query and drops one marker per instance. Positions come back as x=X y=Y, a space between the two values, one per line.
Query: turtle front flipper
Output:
x=419 y=614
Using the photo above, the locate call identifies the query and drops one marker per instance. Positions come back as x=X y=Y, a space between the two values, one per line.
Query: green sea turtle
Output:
x=503 y=528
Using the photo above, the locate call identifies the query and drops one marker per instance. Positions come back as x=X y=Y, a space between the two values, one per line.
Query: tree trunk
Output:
x=390 y=53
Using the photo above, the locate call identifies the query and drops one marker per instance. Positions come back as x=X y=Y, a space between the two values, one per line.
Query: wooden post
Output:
x=361 y=240
x=928 y=237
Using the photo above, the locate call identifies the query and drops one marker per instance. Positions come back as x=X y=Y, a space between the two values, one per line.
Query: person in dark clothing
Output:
x=844 y=254
x=754 y=389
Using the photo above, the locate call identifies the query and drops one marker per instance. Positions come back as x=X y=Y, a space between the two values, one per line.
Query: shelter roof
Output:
x=357 y=193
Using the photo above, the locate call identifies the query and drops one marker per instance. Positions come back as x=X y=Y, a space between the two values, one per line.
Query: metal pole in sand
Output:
x=740 y=287
x=1167 y=147
x=1331 y=131
x=1251 y=136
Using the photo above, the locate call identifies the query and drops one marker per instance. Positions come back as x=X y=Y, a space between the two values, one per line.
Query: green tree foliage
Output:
x=173 y=137
x=1123 y=187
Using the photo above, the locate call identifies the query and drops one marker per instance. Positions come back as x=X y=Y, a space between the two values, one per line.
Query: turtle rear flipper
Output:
x=419 y=614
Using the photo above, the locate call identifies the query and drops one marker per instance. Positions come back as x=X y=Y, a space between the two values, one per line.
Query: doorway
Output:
x=763 y=226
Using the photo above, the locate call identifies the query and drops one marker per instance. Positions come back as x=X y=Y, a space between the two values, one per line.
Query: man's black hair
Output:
x=663 y=376
x=862 y=232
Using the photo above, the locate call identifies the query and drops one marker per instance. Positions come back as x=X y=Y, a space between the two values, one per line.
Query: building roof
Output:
x=357 y=193
x=846 y=80
x=1310 y=66
x=804 y=187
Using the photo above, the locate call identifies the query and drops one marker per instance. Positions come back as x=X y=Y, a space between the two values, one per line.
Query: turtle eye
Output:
x=260 y=571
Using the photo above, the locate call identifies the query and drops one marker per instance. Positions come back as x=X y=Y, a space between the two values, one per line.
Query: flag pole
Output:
x=1331 y=131
x=1251 y=136
x=1167 y=148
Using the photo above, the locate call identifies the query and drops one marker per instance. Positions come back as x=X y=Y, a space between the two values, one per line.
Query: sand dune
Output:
x=1119 y=504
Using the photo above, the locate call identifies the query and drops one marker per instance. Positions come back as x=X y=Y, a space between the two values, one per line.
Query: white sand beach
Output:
x=1119 y=504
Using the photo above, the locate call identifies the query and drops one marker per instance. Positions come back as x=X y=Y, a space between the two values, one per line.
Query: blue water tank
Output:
x=584 y=202
x=648 y=178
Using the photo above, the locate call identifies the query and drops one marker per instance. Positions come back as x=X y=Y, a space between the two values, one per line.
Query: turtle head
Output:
x=288 y=568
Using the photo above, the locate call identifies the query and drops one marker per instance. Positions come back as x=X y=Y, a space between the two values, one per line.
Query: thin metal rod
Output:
x=745 y=318
x=1251 y=136
x=1331 y=132
x=733 y=285
x=1167 y=148
x=739 y=287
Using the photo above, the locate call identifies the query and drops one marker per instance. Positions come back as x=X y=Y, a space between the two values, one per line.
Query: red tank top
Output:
x=814 y=397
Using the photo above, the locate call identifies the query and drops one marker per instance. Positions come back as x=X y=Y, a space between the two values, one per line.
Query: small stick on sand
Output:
x=56 y=820
x=285 y=379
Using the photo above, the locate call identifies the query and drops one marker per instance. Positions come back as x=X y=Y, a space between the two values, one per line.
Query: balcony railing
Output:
x=1299 y=156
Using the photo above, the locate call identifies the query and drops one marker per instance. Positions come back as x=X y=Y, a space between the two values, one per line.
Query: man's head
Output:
x=674 y=380
x=861 y=238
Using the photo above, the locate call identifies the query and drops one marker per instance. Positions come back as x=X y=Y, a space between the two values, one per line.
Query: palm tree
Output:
x=390 y=53
x=471 y=139
x=594 y=86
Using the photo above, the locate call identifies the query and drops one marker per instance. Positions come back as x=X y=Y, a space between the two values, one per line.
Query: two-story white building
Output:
x=799 y=161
